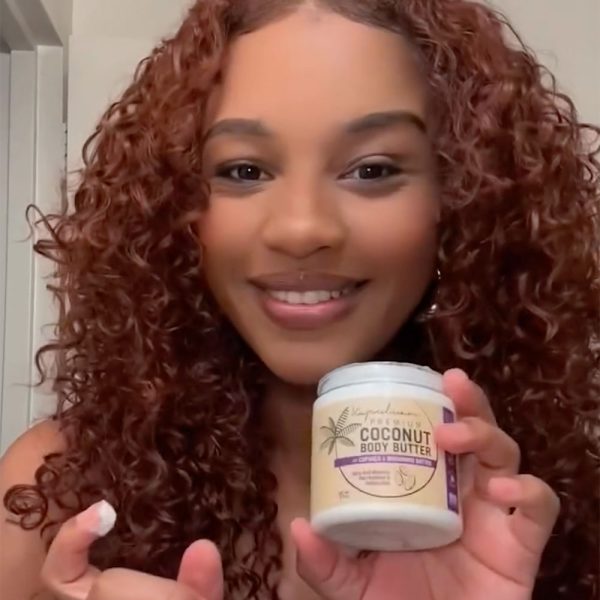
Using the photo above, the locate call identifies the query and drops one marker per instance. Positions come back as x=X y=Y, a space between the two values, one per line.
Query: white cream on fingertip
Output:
x=98 y=519
x=107 y=517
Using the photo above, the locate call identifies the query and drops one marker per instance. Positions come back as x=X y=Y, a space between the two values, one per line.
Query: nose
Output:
x=302 y=221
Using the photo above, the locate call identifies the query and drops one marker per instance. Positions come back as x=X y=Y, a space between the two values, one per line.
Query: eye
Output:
x=372 y=172
x=243 y=172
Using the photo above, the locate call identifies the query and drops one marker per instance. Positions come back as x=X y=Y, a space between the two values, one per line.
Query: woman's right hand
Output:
x=68 y=575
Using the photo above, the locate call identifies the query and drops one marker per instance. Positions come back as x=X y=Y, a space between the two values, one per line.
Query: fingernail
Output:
x=98 y=519
x=458 y=373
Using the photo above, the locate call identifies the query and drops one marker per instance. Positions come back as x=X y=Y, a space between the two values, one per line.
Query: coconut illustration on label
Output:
x=378 y=479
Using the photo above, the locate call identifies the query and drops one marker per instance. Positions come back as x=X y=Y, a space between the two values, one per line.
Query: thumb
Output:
x=66 y=564
x=326 y=567
x=202 y=571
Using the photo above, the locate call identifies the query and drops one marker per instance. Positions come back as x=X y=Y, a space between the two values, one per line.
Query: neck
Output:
x=287 y=416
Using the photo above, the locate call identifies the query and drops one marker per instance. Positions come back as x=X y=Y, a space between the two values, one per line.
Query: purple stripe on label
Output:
x=384 y=458
x=451 y=471
x=448 y=416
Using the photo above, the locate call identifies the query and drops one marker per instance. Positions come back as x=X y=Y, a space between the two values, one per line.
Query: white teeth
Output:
x=309 y=297
x=281 y=296
x=294 y=297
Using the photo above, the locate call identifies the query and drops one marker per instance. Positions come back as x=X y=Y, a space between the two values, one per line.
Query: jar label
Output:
x=381 y=450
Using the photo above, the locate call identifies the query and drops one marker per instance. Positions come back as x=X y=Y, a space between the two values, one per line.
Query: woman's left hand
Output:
x=497 y=557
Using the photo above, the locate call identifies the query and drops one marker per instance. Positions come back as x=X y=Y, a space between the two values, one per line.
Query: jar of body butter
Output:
x=378 y=480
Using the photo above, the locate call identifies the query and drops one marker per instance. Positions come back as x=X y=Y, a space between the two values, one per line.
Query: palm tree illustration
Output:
x=338 y=432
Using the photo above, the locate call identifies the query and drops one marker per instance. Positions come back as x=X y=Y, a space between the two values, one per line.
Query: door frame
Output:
x=33 y=166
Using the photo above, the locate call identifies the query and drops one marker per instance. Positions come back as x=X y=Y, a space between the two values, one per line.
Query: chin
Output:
x=305 y=369
x=299 y=375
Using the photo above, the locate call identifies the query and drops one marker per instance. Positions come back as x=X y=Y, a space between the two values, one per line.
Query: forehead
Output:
x=317 y=67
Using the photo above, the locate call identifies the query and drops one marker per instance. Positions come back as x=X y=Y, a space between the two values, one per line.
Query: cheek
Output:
x=409 y=248
x=225 y=242
x=398 y=245
x=227 y=228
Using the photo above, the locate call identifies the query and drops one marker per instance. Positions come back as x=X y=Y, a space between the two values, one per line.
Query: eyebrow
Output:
x=365 y=124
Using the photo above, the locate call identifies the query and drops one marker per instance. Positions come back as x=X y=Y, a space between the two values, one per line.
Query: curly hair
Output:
x=157 y=393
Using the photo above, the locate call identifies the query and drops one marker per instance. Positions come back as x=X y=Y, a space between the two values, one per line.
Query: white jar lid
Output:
x=384 y=372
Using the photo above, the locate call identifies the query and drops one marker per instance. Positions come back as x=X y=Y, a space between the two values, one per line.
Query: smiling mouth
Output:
x=311 y=309
x=312 y=297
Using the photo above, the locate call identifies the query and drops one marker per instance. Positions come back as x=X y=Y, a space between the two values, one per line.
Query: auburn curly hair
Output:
x=156 y=390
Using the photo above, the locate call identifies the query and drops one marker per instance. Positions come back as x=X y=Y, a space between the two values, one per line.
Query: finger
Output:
x=536 y=508
x=468 y=398
x=325 y=567
x=124 y=584
x=201 y=570
x=66 y=564
x=496 y=453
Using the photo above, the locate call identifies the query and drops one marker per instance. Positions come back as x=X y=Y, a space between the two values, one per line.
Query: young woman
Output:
x=287 y=187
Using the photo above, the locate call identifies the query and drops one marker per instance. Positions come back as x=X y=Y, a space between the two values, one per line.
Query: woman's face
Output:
x=320 y=236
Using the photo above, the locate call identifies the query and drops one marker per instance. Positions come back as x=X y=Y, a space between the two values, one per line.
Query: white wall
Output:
x=109 y=39
x=61 y=16
x=60 y=13
x=4 y=135
x=148 y=19
x=100 y=67
x=566 y=36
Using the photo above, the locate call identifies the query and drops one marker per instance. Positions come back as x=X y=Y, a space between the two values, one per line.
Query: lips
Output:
x=307 y=300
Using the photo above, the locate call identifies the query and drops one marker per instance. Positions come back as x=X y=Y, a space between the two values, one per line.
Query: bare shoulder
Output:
x=22 y=552
x=20 y=462
x=43 y=437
